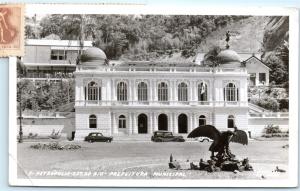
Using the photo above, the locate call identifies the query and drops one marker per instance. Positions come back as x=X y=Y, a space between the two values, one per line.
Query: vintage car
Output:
x=203 y=139
x=165 y=136
x=97 y=137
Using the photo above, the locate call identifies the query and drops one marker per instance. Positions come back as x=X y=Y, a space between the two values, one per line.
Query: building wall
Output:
x=257 y=125
x=37 y=54
x=43 y=127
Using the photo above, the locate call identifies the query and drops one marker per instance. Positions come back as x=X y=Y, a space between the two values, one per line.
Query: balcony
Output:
x=93 y=103
x=165 y=68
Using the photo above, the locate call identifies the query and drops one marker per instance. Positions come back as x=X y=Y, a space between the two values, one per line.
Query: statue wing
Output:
x=240 y=137
x=205 y=131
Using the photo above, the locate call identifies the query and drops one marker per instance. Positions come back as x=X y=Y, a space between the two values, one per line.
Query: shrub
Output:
x=284 y=104
x=32 y=136
x=267 y=103
x=55 y=146
x=54 y=135
x=271 y=129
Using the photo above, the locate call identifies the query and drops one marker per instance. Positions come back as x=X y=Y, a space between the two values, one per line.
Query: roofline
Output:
x=253 y=56
x=47 y=42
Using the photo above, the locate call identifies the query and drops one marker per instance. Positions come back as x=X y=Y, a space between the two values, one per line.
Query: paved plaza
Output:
x=147 y=160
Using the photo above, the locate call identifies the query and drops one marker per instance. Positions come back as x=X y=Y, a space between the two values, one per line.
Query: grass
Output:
x=150 y=158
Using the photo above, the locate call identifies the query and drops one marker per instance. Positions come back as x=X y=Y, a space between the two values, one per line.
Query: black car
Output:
x=97 y=137
x=165 y=136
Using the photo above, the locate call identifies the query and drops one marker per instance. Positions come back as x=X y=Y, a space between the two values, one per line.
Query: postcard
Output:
x=143 y=96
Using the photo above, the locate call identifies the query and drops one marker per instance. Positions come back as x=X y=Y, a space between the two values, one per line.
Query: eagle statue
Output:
x=221 y=140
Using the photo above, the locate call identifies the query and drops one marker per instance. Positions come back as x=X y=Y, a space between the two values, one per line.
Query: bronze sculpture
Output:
x=221 y=140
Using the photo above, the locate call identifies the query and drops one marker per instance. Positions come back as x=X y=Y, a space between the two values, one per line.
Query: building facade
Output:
x=51 y=59
x=139 y=97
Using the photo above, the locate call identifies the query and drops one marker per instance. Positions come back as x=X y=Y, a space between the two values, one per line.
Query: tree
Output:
x=210 y=58
x=279 y=70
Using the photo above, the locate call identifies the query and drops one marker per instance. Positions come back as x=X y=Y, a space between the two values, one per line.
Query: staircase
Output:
x=134 y=138
x=256 y=109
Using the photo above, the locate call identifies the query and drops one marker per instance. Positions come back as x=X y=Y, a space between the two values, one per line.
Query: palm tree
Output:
x=210 y=58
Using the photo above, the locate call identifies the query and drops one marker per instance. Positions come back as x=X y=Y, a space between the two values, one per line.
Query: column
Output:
x=130 y=90
x=108 y=91
x=114 y=123
x=171 y=91
x=155 y=126
x=129 y=131
x=190 y=122
x=155 y=90
x=150 y=123
x=134 y=123
x=256 y=78
x=175 y=98
x=195 y=125
x=134 y=92
x=170 y=122
x=195 y=91
x=150 y=88
x=113 y=88
x=175 y=123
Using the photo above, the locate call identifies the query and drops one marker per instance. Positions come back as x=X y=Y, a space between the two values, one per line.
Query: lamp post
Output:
x=20 y=88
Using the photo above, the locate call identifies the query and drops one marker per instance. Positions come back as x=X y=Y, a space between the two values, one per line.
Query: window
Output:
x=142 y=91
x=93 y=121
x=162 y=91
x=58 y=55
x=122 y=122
x=231 y=93
x=252 y=79
x=202 y=120
x=230 y=121
x=122 y=91
x=94 y=92
x=262 y=78
x=202 y=92
x=182 y=92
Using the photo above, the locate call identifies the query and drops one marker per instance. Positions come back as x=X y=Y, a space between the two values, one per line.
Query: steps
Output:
x=139 y=137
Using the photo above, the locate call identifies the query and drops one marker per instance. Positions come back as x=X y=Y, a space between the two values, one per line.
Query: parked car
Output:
x=203 y=139
x=165 y=136
x=97 y=137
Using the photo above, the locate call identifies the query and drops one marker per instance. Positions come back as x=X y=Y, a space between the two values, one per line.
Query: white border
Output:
x=292 y=181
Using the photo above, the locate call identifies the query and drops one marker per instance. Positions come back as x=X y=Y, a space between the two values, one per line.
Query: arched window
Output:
x=93 y=121
x=94 y=91
x=122 y=91
x=162 y=91
x=182 y=92
x=202 y=120
x=122 y=122
x=230 y=92
x=142 y=91
x=202 y=91
x=230 y=121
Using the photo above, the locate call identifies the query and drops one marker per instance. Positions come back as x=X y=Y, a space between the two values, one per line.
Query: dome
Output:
x=93 y=54
x=227 y=56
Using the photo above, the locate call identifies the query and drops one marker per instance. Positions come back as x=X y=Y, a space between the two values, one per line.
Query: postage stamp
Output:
x=154 y=97
x=11 y=30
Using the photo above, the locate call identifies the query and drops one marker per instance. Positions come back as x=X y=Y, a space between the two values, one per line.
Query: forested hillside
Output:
x=138 y=37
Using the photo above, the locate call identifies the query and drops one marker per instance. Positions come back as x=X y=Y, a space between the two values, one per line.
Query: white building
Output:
x=258 y=72
x=139 y=97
